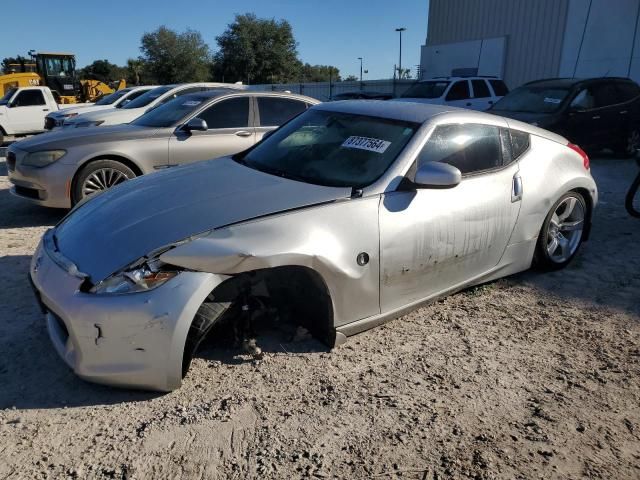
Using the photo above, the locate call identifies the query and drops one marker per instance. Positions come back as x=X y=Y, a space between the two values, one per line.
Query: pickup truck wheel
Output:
x=98 y=176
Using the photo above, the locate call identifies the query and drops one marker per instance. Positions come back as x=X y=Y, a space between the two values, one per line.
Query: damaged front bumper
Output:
x=132 y=340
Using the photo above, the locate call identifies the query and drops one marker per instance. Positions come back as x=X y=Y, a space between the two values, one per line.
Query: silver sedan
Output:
x=344 y=218
x=61 y=168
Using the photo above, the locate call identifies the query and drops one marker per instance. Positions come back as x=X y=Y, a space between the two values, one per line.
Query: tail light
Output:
x=582 y=153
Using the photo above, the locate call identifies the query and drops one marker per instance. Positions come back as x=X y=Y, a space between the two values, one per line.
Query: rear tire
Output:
x=206 y=317
x=562 y=232
x=99 y=176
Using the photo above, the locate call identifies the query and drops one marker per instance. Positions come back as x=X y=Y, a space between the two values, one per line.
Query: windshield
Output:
x=532 y=100
x=57 y=66
x=426 y=90
x=109 y=99
x=146 y=98
x=4 y=100
x=172 y=112
x=331 y=148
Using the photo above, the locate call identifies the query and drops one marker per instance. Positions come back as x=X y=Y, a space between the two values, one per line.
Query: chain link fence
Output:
x=325 y=91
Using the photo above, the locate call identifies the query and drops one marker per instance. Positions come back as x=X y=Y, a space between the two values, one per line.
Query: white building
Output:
x=523 y=40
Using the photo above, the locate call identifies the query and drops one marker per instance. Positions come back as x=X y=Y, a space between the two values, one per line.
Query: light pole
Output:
x=360 y=58
x=400 y=30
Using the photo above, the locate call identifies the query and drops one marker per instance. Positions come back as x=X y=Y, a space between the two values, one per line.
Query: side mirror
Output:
x=437 y=175
x=196 y=125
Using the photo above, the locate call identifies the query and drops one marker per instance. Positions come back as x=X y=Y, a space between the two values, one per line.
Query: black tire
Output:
x=95 y=167
x=542 y=258
x=632 y=200
x=206 y=317
x=628 y=147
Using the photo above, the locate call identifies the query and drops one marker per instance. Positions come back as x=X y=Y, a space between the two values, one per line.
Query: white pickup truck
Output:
x=22 y=110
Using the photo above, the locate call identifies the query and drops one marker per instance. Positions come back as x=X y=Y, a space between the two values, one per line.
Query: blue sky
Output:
x=328 y=31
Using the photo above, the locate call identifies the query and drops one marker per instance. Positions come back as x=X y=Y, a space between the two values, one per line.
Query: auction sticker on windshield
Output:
x=365 y=143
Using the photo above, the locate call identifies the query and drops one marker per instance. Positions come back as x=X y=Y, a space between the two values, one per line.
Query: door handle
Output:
x=243 y=133
x=468 y=104
x=623 y=112
x=490 y=102
x=45 y=109
x=516 y=192
x=596 y=117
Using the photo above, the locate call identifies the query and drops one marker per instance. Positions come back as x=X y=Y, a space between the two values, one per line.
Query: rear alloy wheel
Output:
x=562 y=232
x=630 y=145
x=99 y=176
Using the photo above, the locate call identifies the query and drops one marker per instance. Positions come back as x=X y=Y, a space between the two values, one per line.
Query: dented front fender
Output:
x=327 y=239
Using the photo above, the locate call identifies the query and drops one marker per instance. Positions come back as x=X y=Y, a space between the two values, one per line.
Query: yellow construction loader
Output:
x=58 y=72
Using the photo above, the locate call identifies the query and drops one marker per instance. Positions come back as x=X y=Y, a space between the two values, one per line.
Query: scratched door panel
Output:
x=434 y=239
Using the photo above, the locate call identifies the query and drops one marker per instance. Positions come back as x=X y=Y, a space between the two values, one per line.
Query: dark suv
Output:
x=594 y=113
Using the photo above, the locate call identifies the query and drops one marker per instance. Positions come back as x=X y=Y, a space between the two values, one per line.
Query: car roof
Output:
x=569 y=82
x=470 y=77
x=206 y=94
x=404 y=111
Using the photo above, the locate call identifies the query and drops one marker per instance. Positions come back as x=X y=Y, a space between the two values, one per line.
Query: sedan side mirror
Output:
x=437 y=175
x=196 y=125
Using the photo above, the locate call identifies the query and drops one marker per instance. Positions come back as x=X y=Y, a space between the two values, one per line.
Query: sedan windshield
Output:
x=172 y=112
x=532 y=100
x=426 y=90
x=146 y=98
x=109 y=99
x=331 y=148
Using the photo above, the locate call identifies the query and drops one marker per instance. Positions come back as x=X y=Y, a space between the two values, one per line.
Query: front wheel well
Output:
x=589 y=201
x=295 y=294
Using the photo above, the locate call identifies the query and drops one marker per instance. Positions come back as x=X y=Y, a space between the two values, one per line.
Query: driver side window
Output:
x=29 y=98
x=231 y=113
x=584 y=100
x=471 y=148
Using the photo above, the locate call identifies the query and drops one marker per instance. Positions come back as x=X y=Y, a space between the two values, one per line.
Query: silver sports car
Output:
x=345 y=217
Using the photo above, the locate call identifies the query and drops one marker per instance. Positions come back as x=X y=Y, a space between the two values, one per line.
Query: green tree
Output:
x=351 y=78
x=102 y=70
x=135 y=69
x=257 y=50
x=20 y=60
x=171 y=57
x=319 y=73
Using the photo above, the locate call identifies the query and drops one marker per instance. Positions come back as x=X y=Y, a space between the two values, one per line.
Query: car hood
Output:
x=65 y=138
x=110 y=116
x=122 y=225
x=80 y=110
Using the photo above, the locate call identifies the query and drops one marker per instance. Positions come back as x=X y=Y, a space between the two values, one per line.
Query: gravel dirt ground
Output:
x=533 y=376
